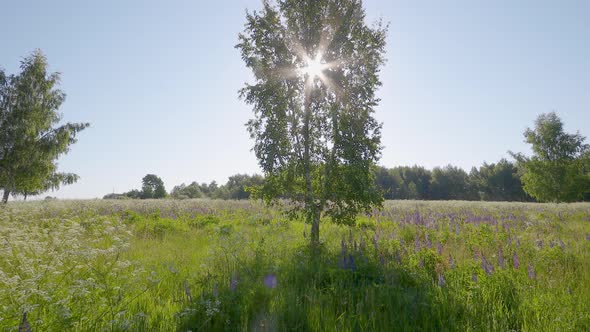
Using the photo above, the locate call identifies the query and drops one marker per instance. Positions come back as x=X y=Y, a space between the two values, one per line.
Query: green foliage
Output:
x=31 y=140
x=451 y=183
x=183 y=191
x=152 y=187
x=498 y=182
x=558 y=170
x=315 y=137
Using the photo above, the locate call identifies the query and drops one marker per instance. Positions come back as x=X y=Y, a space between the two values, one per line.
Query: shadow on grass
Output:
x=345 y=291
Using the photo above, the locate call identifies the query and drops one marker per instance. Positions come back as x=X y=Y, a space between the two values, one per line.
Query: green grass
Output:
x=202 y=265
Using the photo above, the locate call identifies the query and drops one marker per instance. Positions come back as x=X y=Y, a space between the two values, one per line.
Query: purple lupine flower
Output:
x=428 y=242
x=187 y=291
x=233 y=283
x=540 y=244
x=24 y=324
x=509 y=241
x=441 y=280
x=215 y=290
x=416 y=243
x=517 y=243
x=421 y=263
x=376 y=240
x=270 y=280
x=362 y=244
x=487 y=267
x=398 y=258
x=439 y=248
x=501 y=257
x=342 y=261
x=587 y=237
x=474 y=277
x=515 y=261
x=531 y=272
x=351 y=263
x=561 y=244
x=457 y=229
x=451 y=262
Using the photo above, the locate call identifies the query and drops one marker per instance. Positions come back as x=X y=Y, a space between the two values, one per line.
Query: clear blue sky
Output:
x=158 y=81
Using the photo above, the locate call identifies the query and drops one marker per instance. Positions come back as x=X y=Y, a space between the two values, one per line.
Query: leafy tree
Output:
x=30 y=139
x=152 y=187
x=183 y=191
x=238 y=186
x=451 y=183
x=498 y=182
x=387 y=182
x=316 y=66
x=558 y=169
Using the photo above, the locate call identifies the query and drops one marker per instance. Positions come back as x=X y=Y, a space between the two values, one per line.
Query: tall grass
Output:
x=214 y=265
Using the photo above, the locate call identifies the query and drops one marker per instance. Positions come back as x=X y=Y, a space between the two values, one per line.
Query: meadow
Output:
x=206 y=265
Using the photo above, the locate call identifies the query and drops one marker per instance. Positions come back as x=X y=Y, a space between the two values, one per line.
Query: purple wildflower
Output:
x=474 y=277
x=515 y=261
x=428 y=242
x=561 y=244
x=24 y=324
x=187 y=291
x=441 y=280
x=376 y=240
x=451 y=262
x=439 y=248
x=215 y=290
x=421 y=263
x=457 y=229
x=351 y=263
x=517 y=243
x=270 y=280
x=398 y=258
x=487 y=267
x=540 y=244
x=416 y=243
x=531 y=271
x=501 y=257
x=233 y=283
x=587 y=237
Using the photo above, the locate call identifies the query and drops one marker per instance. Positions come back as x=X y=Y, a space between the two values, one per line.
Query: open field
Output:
x=217 y=265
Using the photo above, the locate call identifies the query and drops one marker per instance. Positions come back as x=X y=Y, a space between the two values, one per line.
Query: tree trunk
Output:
x=315 y=229
x=25 y=196
x=5 y=196
x=310 y=206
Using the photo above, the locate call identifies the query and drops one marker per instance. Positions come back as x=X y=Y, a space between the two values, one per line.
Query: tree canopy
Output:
x=316 y=65
x=152 y=187
x=31 y=139
x=558 y=170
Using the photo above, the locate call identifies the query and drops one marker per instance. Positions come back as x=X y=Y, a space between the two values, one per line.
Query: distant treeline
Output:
x=235 y=188
x=490 y=182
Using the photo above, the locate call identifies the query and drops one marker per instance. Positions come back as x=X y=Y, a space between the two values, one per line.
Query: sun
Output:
x=314 y=67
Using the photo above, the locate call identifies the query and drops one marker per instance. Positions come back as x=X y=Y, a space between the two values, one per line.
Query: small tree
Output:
x=30 y=140
x=316 y=66
x=152 y=187
x=558 y=170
